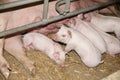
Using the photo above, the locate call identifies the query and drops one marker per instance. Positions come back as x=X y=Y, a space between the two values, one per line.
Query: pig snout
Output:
x=60 y=62
x=62 y=65
x=59 y=58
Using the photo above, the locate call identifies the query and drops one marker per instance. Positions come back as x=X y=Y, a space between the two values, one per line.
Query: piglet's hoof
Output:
x=32 y=70
x=5 y=70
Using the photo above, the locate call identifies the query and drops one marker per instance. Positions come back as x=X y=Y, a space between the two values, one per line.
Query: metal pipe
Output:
x=19 y=4
x=50 y=20
x=59 y=3
x=45 y=9
x=58 y=9
x=16 y=4
x=67 y=6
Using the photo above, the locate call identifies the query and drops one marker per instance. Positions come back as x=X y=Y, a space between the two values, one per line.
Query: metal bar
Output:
x=17 y=3
x=58 y=9
x=45 y=9
x=60 y=17
x=58 y=4
x=67 y=6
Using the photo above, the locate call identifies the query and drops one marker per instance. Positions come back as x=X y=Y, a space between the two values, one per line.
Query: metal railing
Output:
x=64 y=14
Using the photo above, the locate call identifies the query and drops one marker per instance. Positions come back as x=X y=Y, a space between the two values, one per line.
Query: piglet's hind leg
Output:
x=68 y=48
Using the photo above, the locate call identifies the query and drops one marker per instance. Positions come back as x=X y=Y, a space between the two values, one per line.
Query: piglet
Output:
x=89 y=32
x=74 y=40
x=40 y=42
x=106 y=23
x=113 y=44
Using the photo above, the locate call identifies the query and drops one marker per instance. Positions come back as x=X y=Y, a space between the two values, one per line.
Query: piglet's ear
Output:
x=59 y=25
x=80 y=16
x=66 y=25
x=70 y=34
x=72 y=21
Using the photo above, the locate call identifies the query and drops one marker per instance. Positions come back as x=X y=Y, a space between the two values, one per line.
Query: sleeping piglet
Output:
x=40 y=42
x=89 y=54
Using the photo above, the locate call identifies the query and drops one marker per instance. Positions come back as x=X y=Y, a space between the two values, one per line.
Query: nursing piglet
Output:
x=40 y=42
x=89 y=32
x=74 y=40
x=113 y=44
x=106 y=23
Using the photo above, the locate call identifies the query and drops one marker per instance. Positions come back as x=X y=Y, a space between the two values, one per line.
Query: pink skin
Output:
x=14 y=46
x=87 y=3
x=111 y=24
x=18 y=18
x=42 y=43
x=36 y=12
x=108 y=10
x=4 y=65
x=89 y=32
x=113 y=44
x=89 y=54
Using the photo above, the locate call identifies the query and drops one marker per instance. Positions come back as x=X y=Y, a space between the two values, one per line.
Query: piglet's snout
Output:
x=62 y=65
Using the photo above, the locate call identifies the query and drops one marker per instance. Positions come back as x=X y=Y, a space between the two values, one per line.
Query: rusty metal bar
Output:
x=45 y=9
x=60 y=17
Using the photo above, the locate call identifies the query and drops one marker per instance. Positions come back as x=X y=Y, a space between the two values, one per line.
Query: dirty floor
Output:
x=46 y=69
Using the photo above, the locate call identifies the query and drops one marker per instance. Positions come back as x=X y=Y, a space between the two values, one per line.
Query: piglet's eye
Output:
x=63 y=35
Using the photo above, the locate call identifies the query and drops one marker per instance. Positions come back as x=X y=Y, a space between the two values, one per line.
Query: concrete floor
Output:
x=46 y=69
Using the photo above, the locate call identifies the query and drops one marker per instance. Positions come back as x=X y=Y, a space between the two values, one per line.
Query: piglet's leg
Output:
x=14 y=46
x=68 y=48
x=117 y=32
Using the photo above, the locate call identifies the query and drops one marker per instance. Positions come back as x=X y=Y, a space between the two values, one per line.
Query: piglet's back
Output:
x=37 y=40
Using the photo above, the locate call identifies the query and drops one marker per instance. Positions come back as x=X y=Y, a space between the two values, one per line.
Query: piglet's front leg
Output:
x=117 y=32
x=68 y=48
